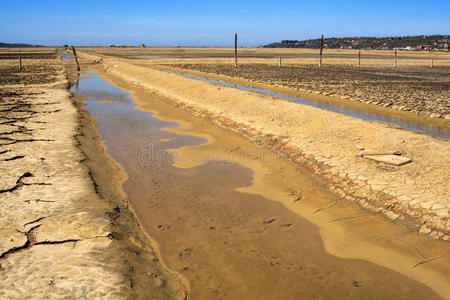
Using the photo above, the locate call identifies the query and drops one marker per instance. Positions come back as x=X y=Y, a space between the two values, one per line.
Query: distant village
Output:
x=407 y=43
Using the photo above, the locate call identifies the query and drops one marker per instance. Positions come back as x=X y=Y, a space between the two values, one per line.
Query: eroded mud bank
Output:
x=65 y=230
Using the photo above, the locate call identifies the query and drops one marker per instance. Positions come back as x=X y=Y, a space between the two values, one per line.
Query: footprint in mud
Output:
x=275 y=261
x=215 y=286
x=163 y=227
x=356 y=283
x=269 y=221
x=185 y=268
x=185 y=253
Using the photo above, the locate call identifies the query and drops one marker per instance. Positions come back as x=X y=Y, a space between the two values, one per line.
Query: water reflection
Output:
x=65 y=55
x=357 y=113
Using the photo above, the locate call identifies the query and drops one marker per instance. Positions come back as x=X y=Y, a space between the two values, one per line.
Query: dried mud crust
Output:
x=60 y=236
x=31 y=74
x=420 y=90
x=14 y=54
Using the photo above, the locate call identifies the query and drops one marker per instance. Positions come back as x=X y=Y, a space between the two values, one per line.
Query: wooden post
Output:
x=320 y=54
x=279 y=61
x=235 y=50
x=432 y=63
x=359 y=59
x=20 y=62
x=395 y=59
x=76 y=58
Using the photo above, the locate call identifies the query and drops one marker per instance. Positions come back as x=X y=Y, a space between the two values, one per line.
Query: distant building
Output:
x=407 y=48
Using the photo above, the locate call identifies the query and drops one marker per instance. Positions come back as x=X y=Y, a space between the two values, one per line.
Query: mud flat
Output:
x=325 y=143
x=65 y=230
x=231 y=232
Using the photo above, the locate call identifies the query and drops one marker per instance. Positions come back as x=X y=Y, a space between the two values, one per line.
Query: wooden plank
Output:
x=370 y=152
x=390 y=159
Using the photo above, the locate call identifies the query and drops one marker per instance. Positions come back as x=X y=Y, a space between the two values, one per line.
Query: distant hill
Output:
x=420 y=42
x=17 y=45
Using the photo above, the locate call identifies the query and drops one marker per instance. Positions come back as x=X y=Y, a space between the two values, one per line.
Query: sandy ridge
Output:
x=419 y=92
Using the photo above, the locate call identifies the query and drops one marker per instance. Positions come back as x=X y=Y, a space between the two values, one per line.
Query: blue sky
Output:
x=213 y=23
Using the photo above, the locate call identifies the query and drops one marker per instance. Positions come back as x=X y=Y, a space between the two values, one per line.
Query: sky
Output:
x=213 y=23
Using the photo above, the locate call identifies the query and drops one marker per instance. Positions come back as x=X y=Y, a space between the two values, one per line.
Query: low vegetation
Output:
x=421 y=42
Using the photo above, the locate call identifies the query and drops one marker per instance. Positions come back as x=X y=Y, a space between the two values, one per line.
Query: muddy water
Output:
x=411 y=125
x=66 y=55
x=226 y=242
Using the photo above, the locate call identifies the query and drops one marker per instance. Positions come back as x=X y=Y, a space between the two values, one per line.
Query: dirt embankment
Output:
x=323 y=142
x=421 y=90
x=65 y=229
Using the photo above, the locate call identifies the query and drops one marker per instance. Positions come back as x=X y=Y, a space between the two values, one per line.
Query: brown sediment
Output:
x=220 y=245
x=63 y=234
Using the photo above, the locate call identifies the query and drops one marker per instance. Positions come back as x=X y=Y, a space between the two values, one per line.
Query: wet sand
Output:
x=240 y=229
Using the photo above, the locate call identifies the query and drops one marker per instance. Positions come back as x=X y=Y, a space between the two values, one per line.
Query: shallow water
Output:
x=65 y=55
x=360 y=114
x=229 y=244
